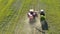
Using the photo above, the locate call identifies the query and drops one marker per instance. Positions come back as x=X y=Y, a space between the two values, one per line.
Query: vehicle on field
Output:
x=42 y=12
x=32 y=14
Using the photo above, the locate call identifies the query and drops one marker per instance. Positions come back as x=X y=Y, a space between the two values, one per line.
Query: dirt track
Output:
x=32 y=28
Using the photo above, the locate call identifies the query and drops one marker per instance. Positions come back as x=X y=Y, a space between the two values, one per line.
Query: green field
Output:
x=53 y=15
x=12 y=13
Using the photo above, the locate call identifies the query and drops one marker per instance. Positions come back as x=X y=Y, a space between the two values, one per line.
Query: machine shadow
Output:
x=44 y=23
